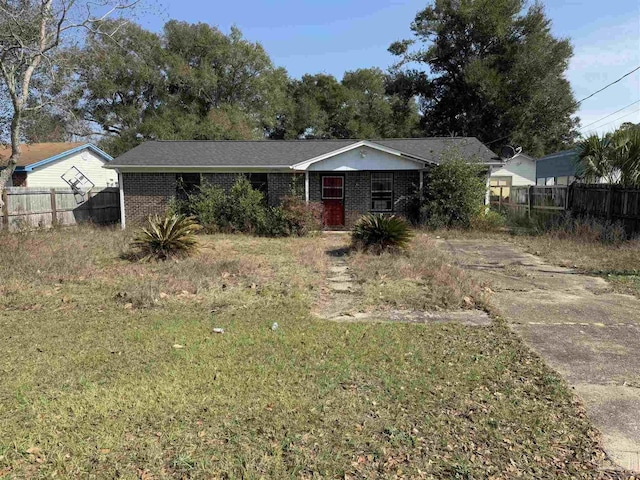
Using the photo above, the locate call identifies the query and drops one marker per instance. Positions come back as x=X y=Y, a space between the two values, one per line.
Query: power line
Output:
x=621 y=116
x=607 y=116
x=580 y=101
x=607 y=86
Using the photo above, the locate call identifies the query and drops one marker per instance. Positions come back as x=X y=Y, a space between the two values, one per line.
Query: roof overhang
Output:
x=199 y=168
x=302 y=166
x=87 y=146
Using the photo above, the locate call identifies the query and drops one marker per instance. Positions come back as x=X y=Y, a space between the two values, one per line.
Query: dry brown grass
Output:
x=105 y=377
x=586 y=255
x=423 y=278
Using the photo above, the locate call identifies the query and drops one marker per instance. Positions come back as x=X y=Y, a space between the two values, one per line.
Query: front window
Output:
x=187 y=184
x=258 y=182
x=382 y=191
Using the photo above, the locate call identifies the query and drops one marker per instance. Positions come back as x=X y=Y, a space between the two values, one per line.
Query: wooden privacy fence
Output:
x=35 y=207
x=611 y=202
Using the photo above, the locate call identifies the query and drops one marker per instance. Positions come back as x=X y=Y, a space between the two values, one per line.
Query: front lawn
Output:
x=112 y=369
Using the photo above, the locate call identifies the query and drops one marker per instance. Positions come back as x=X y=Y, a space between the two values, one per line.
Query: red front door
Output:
x=333 y=200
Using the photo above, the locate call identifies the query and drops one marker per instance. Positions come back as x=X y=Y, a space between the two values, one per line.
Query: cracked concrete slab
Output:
x=578 y=325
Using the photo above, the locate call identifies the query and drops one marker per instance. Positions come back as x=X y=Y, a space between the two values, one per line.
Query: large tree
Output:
x=192 y=81
x=493 y=70
x=30 y=33
x=363 y=105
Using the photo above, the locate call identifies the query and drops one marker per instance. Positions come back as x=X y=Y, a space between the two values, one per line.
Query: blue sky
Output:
x=332 y=36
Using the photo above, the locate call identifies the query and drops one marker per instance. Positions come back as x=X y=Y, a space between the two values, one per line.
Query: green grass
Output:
x=112 y=370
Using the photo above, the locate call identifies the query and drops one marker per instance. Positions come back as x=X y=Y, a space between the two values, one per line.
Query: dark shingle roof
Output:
x=263 y=153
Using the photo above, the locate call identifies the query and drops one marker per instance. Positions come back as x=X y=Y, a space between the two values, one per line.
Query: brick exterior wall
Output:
x=147 y=194
x=357 y=194
x=283 y=184
x=150 y=193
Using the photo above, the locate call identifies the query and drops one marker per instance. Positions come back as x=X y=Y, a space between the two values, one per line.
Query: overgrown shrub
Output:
x=166 y=237
x=487 y=220
x=301 y=216
x=377 y=233
x=454 y=192
x=244 y=209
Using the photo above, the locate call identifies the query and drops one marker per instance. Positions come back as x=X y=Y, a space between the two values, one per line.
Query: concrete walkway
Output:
x=339 y=302
x=578 y=325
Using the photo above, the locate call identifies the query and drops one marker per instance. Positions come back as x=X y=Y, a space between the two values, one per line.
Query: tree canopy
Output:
x=493 y=70
x=192 y=81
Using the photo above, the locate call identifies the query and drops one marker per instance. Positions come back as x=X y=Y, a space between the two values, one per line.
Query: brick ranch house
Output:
x=349 y=177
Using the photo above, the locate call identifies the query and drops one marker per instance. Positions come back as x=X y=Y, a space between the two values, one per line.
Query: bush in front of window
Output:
x=244 y=210
x=378 y=233
x=454 y=192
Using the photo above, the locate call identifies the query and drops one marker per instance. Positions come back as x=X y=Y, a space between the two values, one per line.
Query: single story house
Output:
x=60 y=165
x=519 y=170
x=349 y=177
x=557 y=168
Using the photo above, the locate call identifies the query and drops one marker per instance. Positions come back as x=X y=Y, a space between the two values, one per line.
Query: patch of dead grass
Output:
x=422 y=278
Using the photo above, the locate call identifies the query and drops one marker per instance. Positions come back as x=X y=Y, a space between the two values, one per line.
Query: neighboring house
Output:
x=47 y=165
x=349 y=177
x=519 y=170
x=557 y=168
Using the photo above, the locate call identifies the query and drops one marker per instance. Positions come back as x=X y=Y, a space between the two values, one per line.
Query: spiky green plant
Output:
x=166 y=237
x=377 y=233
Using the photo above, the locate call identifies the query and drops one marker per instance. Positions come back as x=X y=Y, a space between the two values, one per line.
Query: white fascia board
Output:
x=363 y=143
x=200 y=168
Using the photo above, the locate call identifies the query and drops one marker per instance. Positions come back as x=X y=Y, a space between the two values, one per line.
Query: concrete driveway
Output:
x=578 y=325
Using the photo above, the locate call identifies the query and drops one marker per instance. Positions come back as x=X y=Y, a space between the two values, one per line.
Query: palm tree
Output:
x=614 y=157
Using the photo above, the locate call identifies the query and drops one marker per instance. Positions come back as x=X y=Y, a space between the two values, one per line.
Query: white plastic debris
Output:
x=218 y=330
x=275 y=326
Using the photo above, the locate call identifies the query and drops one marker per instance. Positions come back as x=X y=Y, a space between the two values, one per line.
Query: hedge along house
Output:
x=349 y=177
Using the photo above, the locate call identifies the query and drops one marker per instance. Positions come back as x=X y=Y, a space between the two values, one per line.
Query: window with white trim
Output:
x=382 y=191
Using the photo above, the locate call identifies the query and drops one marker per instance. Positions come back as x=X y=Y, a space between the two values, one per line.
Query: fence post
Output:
x=609 y=200
x=5 y=209
x=54 y=209
x=529 y=201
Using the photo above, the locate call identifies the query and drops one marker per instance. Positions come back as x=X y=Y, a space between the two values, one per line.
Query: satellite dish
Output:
x=507 y=151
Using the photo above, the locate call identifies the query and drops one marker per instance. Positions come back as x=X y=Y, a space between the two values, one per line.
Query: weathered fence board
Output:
x=611 y=202
x=35 y=207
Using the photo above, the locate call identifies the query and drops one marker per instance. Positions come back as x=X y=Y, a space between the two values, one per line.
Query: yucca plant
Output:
x=378 y=233
x=166 y=237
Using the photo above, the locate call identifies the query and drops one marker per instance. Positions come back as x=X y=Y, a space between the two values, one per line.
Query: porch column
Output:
x=306 y=186
x=487 y=195
x=123 y=222
x=421 y=194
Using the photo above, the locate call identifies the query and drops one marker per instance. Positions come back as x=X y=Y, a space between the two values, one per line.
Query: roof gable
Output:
x=364 y=143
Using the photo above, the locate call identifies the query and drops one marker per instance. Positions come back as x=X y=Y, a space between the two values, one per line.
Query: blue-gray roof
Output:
x=559 y=164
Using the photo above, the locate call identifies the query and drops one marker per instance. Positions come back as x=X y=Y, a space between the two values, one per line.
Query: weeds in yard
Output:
x=93 y=388
x=424 y=278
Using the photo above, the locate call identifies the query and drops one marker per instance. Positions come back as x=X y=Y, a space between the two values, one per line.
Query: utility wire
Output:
x=607 y=86
x=582 y=100
x=621 y=116
x=607 y=116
